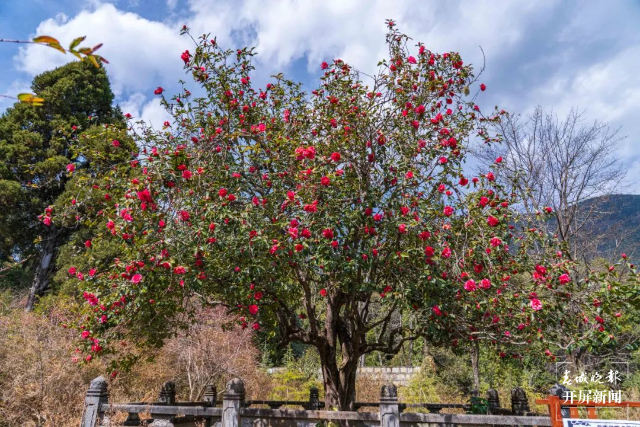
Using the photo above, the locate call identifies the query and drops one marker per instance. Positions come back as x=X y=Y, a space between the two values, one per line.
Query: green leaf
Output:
x=76 y=42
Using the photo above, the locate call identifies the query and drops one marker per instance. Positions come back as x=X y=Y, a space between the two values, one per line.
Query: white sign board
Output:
x=574 y=422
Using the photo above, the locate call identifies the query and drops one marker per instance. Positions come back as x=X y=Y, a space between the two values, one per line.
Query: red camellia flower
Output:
x=402 y=228
x=493 y=221
x=325 y=181
x=324 y=66
x=448 y=211
x=185 y=56
x=253 y=309
x=222 y=192
x=335 y=156
x=184 y=215
x=564 y=279
x=87 y=243
x=323 y=292
x=436 y=310
x=145 y=196
x=470 y=285
x=71 y=167
x=536 y=305
x=158 y=91
x=136 y=278
x=327 y=233
x=483 y=87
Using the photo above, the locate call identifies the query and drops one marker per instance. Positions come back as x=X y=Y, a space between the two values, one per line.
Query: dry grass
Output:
x=40 y=385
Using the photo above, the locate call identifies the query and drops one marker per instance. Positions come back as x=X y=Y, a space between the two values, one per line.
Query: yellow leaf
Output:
x=93 y=60
x=45 y=39
x=49 y=41
x=30 y=98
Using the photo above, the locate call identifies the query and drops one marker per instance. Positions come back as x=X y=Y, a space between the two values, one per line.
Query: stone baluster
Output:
x=559 y=390
x=232 y=402
x=96 y=396
x=314 y=399
x=167 y=397
x=493 y=400
x=389 y=411
x=210 y=395
x=519 y=401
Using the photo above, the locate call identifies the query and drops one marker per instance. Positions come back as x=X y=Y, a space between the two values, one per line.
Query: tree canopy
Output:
x=324 y=214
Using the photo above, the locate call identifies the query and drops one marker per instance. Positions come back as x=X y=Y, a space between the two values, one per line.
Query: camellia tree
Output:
x=322 y=215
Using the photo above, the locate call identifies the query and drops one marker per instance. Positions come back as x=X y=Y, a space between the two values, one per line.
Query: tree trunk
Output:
x=50 y=244
x=339 y=375
x=475 y=365
x=339 y=383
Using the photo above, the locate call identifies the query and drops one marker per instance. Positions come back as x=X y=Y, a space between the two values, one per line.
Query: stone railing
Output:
x=235 y=411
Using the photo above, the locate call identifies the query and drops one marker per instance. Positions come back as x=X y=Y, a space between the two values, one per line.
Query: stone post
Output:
x=210 y=394
x=389 y=411
x=519 y=401
x=95 y=397
x=232 y=401
x=167 y=394
x=558 y=390
x=167 y=397
x=314 y=399
x=493 y=399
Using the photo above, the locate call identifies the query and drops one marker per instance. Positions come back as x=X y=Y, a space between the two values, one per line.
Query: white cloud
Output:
x=151 y=112
x=552 y=53
x=287 y=30
x=142 y=53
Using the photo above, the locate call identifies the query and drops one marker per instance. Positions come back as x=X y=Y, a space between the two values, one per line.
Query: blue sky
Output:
x=557 y=54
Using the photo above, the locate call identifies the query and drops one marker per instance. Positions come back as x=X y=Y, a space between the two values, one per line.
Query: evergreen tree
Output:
x=36 y=146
